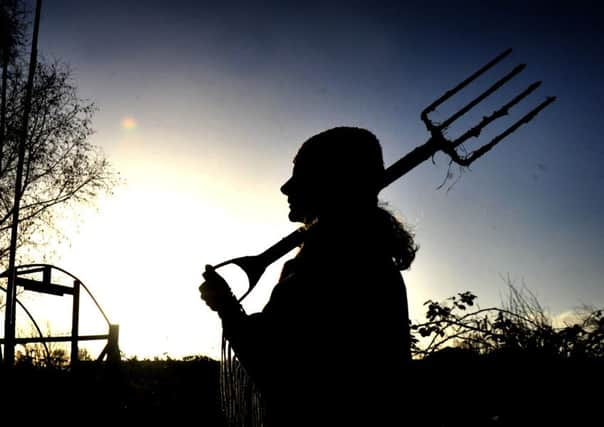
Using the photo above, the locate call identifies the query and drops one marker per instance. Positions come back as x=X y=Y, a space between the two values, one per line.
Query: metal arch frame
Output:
x=32 y=320
x=111 y=349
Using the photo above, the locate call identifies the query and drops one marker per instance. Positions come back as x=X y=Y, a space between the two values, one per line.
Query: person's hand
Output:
x=216 y=293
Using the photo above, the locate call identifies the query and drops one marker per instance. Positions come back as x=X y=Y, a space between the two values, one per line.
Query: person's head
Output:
x=336 y=171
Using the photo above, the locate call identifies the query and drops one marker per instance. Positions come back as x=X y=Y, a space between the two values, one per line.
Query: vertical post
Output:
x=75 y=318
x=113 y=349
x=11 y=293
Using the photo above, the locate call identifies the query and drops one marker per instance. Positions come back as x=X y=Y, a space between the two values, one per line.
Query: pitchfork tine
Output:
x=475 y=155
x=482 y=96
x=448 y=94
x=503 y=111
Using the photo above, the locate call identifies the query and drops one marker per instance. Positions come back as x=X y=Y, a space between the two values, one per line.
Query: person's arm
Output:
x=244 y=332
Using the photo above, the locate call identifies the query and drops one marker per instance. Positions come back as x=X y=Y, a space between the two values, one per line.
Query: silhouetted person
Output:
x=332 y=344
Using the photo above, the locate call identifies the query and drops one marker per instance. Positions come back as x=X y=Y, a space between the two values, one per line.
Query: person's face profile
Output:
x=303 y=193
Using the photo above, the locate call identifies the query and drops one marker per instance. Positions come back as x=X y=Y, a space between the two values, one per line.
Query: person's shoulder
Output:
x=288 y=269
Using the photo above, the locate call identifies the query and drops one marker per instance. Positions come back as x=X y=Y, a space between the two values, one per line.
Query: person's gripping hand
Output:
x=216 y=293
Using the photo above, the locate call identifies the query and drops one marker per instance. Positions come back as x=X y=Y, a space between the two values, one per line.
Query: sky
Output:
x=203 y=105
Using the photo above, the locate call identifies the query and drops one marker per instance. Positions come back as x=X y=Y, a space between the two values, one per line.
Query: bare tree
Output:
x=11 y=39
x=62 y=168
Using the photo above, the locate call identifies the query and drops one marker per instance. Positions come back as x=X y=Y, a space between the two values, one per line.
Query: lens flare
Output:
x=128 y=123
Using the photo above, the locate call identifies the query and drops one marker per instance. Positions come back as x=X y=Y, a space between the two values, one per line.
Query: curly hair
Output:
x=399 y=241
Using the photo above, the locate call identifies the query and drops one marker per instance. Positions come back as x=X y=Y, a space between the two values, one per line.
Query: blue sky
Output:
x=223 y=95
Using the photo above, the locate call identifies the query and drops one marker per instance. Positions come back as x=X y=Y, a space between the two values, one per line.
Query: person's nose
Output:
x=286 y=188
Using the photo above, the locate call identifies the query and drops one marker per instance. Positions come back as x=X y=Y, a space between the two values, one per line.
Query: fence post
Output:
x=75 y=317
x=113 y=349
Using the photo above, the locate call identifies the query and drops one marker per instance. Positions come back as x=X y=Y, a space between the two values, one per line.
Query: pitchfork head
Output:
x=450 y=147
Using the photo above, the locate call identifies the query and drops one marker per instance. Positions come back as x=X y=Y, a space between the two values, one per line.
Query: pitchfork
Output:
x=255 y=265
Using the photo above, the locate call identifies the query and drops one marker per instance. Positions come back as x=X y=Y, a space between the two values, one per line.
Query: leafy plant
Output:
x=521 y=325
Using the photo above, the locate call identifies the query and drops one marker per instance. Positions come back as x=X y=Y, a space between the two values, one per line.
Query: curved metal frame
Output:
x=112 y=337
x=32 y=320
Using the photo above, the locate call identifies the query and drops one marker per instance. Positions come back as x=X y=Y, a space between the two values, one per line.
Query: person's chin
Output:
x=295 y=217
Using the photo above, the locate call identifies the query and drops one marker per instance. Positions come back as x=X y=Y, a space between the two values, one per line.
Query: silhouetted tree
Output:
x=62 y=167
x=11 y=39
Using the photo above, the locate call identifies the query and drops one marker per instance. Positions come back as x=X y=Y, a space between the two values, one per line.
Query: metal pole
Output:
x=75 y=318
x=11 y=294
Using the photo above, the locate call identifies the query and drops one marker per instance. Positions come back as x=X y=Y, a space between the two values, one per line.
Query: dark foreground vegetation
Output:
x=173 y=387
x=450 y=388
x=472 y=366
